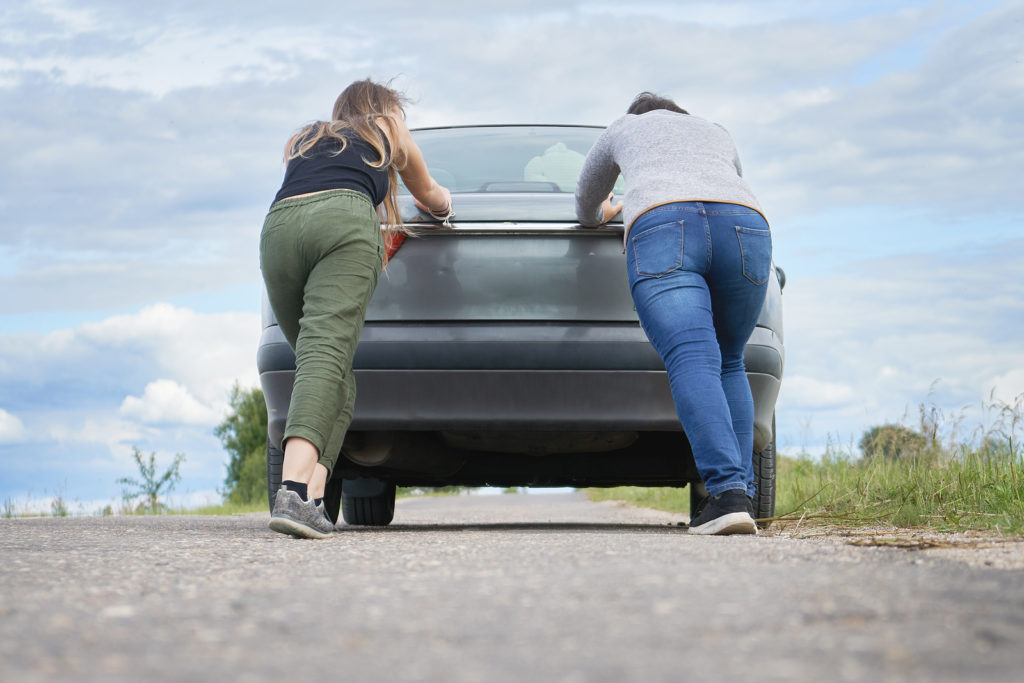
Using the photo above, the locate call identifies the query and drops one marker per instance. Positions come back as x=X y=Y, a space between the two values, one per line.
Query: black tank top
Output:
x=323 y=168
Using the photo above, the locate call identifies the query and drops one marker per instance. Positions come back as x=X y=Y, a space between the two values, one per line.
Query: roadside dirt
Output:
x=973 y=548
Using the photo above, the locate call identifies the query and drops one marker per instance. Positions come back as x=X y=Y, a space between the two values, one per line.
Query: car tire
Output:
x=275 y=459
x=698 y=494
x=367 y=501
x=332 y=499
x=764 y=479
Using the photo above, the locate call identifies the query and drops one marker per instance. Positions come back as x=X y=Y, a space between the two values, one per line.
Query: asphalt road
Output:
x=498 y=588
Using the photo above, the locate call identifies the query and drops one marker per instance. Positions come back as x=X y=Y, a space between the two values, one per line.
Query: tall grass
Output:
x=966 y=492
x=225 y=508
x=657 y=497
x=946 y=477
x=949 y=480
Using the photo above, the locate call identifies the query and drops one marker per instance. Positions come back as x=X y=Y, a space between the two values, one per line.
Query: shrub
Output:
x=892 y=442
x=150 y=486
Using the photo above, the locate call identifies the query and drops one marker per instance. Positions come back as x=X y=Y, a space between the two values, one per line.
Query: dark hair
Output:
x=648 y=101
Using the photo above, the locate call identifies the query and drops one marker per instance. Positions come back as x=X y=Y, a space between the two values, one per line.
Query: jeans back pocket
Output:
x=659 y=250
x=755 y=253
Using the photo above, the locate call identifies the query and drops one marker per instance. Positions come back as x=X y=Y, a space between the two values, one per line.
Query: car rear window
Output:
x=484 y=159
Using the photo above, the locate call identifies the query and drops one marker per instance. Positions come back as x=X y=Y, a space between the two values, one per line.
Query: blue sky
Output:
x=140 y=147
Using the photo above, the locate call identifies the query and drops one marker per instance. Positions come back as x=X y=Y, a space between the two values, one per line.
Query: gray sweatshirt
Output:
x=663 y=157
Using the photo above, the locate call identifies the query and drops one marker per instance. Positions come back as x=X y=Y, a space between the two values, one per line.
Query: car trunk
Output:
x=518 y=269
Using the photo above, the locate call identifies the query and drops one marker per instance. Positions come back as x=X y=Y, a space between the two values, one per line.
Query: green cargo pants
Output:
x=321 y=256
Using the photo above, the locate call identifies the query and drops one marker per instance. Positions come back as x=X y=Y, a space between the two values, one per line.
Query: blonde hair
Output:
x=359 y=108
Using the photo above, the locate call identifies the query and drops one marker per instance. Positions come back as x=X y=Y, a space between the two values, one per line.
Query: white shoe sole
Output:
x=732 y=523
x=286 y=525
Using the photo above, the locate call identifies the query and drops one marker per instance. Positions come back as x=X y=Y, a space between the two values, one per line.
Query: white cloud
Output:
x=871 y=342
x=11 y=428
x=204 y=354
x=167 y=402
x=102 y=428
x=1009 y=386
x=943 y=132
x=160 y=61
x=54 y=20
x=808 y=392
x=158 y=379
x=131 y=378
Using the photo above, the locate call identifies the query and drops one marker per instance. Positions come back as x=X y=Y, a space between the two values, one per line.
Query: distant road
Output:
x=496 y=588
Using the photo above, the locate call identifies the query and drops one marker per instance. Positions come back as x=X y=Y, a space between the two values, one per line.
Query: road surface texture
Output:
x=501 y=588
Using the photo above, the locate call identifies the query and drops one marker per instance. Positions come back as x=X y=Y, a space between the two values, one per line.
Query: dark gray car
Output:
x=505 y=350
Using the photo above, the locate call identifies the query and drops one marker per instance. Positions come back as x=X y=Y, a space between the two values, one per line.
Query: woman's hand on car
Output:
x=436 y=194
x=609 y=210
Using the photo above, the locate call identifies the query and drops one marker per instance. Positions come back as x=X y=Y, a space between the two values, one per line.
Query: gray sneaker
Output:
x=299 y=518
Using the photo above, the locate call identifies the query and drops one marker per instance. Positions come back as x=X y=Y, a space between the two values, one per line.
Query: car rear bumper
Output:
x=513 y=377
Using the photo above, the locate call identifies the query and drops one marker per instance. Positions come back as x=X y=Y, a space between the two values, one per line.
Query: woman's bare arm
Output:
x=427 y=193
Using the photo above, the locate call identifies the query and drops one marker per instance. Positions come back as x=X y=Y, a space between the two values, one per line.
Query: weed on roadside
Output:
x=951 y=480
x=935 y=475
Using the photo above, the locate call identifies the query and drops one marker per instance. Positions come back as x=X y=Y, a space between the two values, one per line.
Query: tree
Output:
x=151 y=486
x=243 y=434
x=892 y=442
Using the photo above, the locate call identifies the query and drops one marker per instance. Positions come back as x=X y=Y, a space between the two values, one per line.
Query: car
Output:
x=504 y=349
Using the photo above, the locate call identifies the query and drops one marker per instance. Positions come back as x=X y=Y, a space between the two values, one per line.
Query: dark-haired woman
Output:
x=321 y=252
x=698 y=254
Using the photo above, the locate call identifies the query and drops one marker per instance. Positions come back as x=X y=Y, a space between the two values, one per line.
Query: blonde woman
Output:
x=321 y=252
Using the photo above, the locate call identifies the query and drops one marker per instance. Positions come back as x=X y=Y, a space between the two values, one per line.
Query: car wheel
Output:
x=698 y=495
x=764 y=478
x=332 y=499
x=275 y=459
x=367 y=501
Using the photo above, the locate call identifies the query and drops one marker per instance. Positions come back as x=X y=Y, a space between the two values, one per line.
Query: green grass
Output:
x=965 y=493
x=968 y=491
x=945 y=480
x=225 y=509
x=657 y=497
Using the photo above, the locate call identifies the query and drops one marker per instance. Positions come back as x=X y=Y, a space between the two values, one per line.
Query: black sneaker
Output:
x=730 y=512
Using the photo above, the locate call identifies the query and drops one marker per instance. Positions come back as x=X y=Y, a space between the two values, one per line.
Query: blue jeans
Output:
x=698 y=273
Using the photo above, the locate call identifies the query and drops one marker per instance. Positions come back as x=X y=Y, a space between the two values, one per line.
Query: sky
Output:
x=140 y=146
